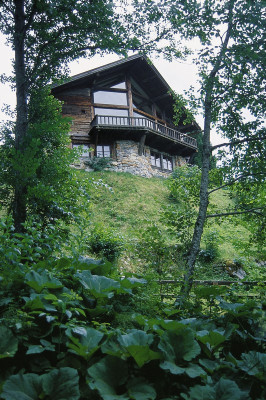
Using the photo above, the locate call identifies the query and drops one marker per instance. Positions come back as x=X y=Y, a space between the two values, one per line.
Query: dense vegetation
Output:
x=73 y=327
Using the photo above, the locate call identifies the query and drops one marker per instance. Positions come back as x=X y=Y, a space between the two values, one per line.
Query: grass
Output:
x=125 y=204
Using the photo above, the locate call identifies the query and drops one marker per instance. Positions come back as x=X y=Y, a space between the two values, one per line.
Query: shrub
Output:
x=105 y=243
x=211 y=251
x=98 y=163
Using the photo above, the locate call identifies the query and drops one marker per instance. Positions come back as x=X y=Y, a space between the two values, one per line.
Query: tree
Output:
x=232 y=75
x=45 y=36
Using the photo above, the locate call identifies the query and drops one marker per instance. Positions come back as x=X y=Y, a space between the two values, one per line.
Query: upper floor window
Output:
x=106 y=97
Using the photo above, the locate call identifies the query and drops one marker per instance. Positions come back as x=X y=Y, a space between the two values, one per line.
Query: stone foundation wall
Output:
x=128 y=160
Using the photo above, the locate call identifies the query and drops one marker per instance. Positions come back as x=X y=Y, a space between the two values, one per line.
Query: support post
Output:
x=141 y=144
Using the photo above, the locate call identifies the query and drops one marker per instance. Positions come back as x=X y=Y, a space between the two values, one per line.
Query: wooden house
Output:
x=124 y=111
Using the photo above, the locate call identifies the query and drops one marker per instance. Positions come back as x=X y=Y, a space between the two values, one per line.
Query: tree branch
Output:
x=235 y=142
x=233 y=181
x=31 y=16
x=252 y=210
x=3 y=3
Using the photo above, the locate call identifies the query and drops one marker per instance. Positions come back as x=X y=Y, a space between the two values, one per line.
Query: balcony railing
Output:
x=140 y=122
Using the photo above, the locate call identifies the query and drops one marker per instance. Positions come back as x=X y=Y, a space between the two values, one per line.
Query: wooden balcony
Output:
x=144 y=124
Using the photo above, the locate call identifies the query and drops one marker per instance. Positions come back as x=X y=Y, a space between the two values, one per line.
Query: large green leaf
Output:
x=172 y=367
x=254 y=364
x=86 y=344
x=8 y=343
x=209 y=365
x=138 y=389
x=129 y=283
x=109 y=374
x=99 y=286
x=194 y=371
x=23 y=387
x=202 y=393
x=98 y=267
x=213 y=338
x=113 y=347
x=61 y=384
x=137 y=344
x=39 y=281
x=179 y=345
x=40 y=348
x=228 y=390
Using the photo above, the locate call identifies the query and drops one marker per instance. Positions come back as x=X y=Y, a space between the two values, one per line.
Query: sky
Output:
x=180 y=75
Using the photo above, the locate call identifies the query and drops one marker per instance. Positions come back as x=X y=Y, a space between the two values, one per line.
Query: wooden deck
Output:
x=140 y=123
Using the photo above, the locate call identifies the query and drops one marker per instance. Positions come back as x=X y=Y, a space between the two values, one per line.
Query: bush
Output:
x=105 y=243
x=98 y=163
x=211 y=251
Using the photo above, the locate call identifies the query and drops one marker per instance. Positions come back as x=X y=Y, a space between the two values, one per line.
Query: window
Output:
x=167 y=163
x=161 y=161
x=115 y=98
x=84 y=147
x=103 y=151
x=155 y=159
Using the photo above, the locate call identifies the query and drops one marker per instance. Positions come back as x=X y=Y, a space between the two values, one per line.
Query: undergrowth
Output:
x=72 y=328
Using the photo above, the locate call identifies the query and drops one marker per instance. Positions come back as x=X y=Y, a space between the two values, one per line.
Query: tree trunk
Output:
x=19 y=201
x=206 y=154
x=198 y=229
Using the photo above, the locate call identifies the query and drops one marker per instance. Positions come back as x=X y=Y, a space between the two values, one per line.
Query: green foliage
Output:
x=28 y=248
x=153 y=249
x=42 y=167
x=180 y=215
x=105 y=243
x=211 y=251
x=99 y=163
x=182 y=113
x=58 y=339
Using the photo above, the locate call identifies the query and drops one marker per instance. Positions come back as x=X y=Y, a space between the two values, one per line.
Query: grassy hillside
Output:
x=124 y=206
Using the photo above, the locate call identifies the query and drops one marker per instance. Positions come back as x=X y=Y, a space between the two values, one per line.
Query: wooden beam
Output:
x=101 y=105
x=96 y=142
x=129 y=97
x=141 y=144
x=162 y=96
x=108 y=89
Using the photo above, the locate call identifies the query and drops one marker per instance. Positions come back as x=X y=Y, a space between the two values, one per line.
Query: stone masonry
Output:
x=128 y=160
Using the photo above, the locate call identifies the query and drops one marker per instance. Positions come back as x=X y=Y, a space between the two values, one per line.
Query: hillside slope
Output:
x=125 y=205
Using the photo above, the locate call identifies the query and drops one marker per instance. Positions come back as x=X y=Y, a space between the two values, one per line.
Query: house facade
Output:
x=124 y=111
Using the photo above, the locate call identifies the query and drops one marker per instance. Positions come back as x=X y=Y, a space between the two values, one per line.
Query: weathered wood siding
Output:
x=77 y=105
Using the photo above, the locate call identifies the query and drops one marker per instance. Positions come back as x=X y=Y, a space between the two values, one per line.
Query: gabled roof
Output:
x=123 y=65
x=140 y=69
